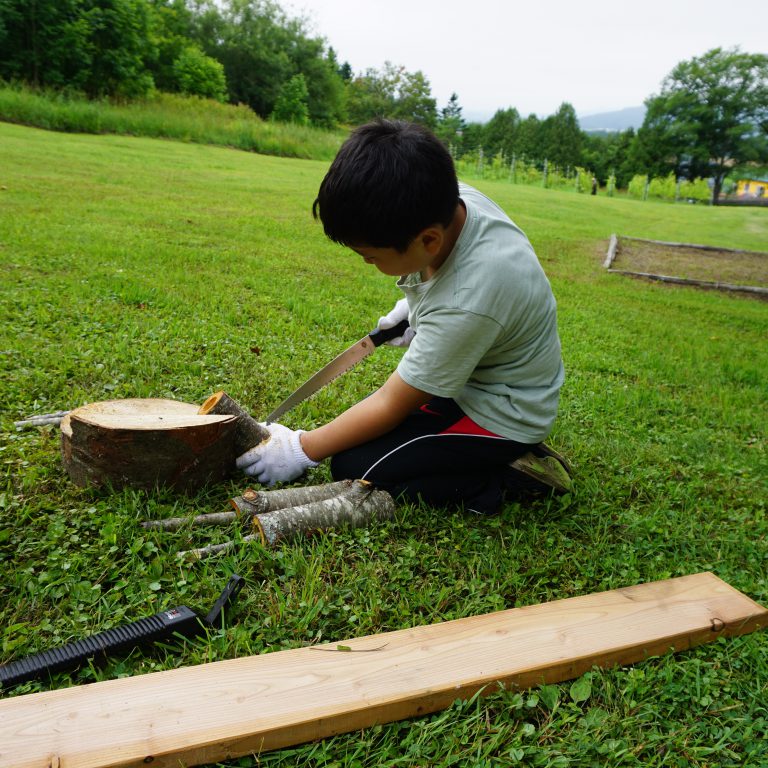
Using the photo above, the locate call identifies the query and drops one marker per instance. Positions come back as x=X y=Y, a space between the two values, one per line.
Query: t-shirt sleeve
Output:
x=446 y=350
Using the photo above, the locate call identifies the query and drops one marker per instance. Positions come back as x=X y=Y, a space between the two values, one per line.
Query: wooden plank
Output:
x=690 y=281
x=692 y=245
x=613 y=244
x=225 y=709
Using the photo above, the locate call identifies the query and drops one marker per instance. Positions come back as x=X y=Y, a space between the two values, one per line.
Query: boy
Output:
x=462 y=418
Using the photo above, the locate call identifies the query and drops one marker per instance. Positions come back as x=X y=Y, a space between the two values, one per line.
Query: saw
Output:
x=339 y=365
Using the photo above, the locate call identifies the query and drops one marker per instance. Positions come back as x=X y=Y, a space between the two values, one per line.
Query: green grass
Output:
x=144 y=268
x=167 y=116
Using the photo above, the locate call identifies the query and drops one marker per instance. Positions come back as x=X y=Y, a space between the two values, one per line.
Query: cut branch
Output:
x=259 y=502
x=358 y=507
x=255 y=502
x=248 y=432
x=215 y=549
x=174 y=523
x=41 y=420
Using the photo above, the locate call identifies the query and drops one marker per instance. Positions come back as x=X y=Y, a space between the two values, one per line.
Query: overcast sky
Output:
x=599 y=55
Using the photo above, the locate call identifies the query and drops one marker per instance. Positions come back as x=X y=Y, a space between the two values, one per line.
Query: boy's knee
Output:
x=347 y=466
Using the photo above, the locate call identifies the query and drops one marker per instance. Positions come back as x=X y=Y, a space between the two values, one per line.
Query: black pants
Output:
x=437 y=455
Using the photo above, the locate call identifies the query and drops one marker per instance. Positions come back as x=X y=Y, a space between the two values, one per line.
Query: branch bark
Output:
x=255 y=502
x=357 y=507
x=248 y=432
x=41 y=420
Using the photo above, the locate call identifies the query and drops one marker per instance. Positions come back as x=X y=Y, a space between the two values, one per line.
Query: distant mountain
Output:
x=630 y=117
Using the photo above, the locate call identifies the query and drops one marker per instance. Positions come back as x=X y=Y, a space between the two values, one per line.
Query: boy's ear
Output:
x=431 y=239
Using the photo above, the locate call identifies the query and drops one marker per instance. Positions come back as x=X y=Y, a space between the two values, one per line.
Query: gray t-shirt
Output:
x=486 y=328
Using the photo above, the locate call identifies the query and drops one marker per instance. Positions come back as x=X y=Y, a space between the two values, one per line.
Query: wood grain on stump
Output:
x=146 y=443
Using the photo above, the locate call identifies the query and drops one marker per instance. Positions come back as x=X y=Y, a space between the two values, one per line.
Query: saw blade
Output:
x=339 y=365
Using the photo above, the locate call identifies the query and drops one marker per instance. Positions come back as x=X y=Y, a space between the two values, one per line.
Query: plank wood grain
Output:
x=220 y=710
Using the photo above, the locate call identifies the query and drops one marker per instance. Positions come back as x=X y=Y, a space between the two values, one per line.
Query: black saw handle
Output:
x=112 y=642
x=380 y=337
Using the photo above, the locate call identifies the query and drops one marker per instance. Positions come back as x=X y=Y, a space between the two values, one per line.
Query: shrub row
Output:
x=172 y=116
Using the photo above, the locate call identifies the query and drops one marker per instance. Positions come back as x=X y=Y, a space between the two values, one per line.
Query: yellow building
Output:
x=752 y=188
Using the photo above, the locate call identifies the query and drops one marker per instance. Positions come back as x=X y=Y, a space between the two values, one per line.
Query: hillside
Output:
x=620 y=120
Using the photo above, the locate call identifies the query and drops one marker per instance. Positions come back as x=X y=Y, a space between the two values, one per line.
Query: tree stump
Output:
x=147 y=443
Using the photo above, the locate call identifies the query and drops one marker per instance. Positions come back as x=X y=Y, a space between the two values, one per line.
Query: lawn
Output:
x=147 y=268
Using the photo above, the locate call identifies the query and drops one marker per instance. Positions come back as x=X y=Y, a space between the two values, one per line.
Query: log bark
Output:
x=358 y=507
x=259 y=502
x=145 y=443
x=41 y=420
x=254 y=502
x=248 y=433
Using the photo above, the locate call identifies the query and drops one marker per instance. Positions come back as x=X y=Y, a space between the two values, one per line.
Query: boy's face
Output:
x=423 y=254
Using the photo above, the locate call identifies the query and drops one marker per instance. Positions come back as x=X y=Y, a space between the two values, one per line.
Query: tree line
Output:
x=711 y=112
x=710 y=116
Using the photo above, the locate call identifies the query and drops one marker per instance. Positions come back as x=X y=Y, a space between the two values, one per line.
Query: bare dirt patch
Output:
x=703 y=266
x=693 y=263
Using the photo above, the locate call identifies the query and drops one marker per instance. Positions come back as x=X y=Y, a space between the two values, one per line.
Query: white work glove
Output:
x=278 y=459
x=392 y=318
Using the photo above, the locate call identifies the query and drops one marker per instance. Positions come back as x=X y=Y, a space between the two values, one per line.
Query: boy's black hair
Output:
x=389 y=181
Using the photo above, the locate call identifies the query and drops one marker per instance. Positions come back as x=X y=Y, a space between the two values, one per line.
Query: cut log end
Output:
x=210 y=404
x=249 y=432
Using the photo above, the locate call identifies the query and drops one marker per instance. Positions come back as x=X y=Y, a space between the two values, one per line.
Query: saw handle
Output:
x=118 y=640
x=380 y=337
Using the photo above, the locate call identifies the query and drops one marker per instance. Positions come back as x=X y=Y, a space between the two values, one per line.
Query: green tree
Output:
x=171 y=30
x=261 y=49
x=531 y=143
x=608 y=154
x=711 y=113
x=101 y=47
x=472 y=137
x=372 y=94
x=450 y=124
x=251 y=38
x=291 y=105
x=414 y=99
x=502 y=133
x=325 y=87
x=199 y=75
x=391 y=92
x=345 y=71
x=562 y=137
x=116 y=47
x=34 y=40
